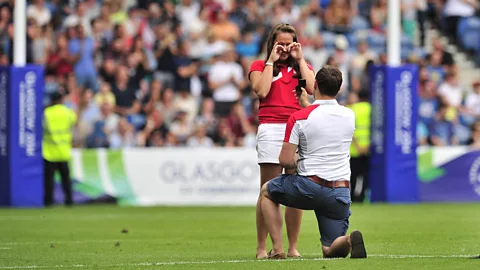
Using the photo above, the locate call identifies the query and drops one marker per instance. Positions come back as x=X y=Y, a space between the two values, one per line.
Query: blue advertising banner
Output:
x=21 y=162
x=393 y=164
x=456 y=179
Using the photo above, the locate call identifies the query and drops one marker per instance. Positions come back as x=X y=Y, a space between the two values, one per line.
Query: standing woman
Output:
x=273 y=80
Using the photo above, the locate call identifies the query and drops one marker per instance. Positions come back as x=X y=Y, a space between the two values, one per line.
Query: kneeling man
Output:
x=322 y=133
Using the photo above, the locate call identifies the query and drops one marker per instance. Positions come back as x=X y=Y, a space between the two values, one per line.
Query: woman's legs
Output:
x=293 y=217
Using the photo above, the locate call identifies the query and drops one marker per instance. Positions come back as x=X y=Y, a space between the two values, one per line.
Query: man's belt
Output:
x=329 y=184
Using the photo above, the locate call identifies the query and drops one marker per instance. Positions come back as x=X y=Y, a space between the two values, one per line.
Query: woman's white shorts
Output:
x=269 y=142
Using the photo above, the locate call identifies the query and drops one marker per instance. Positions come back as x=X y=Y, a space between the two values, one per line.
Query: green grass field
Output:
x=426 y=236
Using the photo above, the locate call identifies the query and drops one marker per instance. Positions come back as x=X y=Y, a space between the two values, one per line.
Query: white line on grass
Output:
x=224 y=261
x=5 y=248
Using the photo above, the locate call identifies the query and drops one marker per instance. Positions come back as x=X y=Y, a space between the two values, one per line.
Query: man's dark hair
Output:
x=329 y=79
x=363 y=95
x=56 y=97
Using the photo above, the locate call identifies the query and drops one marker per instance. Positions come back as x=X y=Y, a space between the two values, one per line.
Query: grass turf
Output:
x=425 y=236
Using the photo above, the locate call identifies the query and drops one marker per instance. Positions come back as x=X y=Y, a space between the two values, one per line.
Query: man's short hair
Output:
x=56 y=97
x=329 y=80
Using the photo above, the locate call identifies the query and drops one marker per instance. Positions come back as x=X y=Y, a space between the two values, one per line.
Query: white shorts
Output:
x=269 y=142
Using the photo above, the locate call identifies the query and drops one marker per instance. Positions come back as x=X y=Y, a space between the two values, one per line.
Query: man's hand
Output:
x=302 y=97
x=288 y=156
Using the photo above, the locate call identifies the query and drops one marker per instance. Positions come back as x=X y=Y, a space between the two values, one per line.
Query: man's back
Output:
x=324 y=133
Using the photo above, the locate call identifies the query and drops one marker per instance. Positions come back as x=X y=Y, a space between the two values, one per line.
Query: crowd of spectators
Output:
x=174 y=73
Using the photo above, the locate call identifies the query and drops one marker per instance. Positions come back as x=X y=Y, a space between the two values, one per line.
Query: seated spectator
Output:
x=187 y=103
x=200 y=138
x=156 y=139
x=422 y=134
x=316 y=53
x=337 y=16
x=223 y=28
x=441 y=130
x=428 y=103
x=40 y=12
x=247 y=48
x=409 y=17
x=474 y=141
x=224 y=136
x=435 y=69
x=181 y=127
x=238 y=123
x=104 y=127
x=451 y=92
x=446 y=58
x=378 y=16
x=358 y=65
x=171 y=140
x=472 y=101
x=105 y=95
x=125 y=97
x=207 y=116
x=88 y=110
x=124 y=136
x=59 y=60
x=164 y=104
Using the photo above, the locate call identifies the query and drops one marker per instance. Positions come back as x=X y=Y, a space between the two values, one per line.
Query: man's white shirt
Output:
x=323 y=132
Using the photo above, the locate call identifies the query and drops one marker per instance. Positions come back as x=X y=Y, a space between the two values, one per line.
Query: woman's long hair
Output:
x=282 y=28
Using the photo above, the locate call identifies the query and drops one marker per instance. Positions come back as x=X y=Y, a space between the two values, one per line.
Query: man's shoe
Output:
x=358 y=247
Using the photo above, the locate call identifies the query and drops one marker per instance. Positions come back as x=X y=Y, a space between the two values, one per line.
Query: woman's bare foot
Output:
x=262 y=254
x=294 y=254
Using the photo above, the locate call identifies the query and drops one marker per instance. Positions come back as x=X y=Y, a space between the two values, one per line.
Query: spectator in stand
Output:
x=88 y=113
x=80 y=18
x=125 y=97
x=82 y=48
x=223 y=28
x=451 y=91
x=337 y=16
x=181 y=127
x=444 y=57
x=378 y=16
x=358 y=65
x=442 y=130
x=186 y=68
x=435 y=69
x=226 y=80
x=474 y=141
x=187 y=103
x=429 y=103
x=316 y=53
x=124 y=136
x=167 y=50
x=470 y=110
x=59 y=60
x=105 y=95
x=472 y=101
x=422 y=10
x=39 y=12
x=453 y=11
x=224 y=136
x=200 y=138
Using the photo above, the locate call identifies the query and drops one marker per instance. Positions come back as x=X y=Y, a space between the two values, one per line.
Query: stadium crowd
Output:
x=173 y=73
